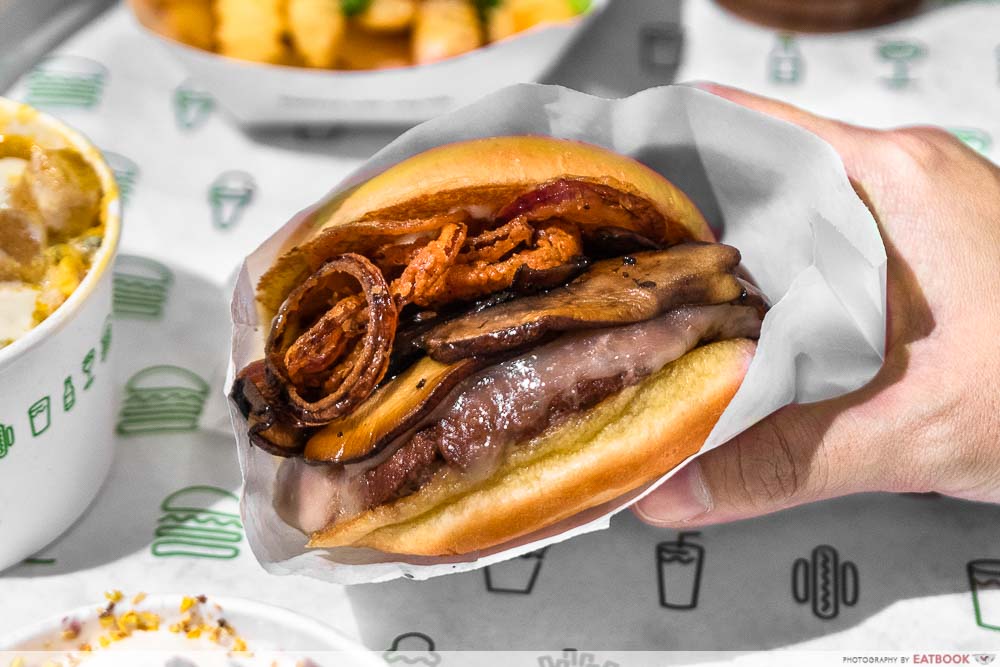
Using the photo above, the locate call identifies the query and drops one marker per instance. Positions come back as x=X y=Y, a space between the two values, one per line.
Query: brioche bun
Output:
x=485 y=173
x=625 y=442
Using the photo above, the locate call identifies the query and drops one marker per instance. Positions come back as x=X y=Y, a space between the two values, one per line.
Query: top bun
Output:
x=484 y=174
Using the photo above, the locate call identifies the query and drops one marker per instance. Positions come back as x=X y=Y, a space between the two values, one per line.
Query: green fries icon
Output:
x=191 y=527
x=229 y=195
x=141 y=287
x=40 y=416
x=66 y=82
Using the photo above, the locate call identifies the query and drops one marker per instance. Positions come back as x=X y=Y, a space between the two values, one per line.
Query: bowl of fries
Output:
x=323 y=62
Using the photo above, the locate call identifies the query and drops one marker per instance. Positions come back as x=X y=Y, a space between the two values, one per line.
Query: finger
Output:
x=845 y=139
x=801 y=454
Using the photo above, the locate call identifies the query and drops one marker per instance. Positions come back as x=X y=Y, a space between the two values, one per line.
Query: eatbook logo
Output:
x=199 y=522
x=141 y=287
x=825 y=581
x=66 y=82
x=162 y=399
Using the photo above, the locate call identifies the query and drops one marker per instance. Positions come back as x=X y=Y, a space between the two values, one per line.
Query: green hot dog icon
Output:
x=191 y=526
x=6 y=439
x=826 y=581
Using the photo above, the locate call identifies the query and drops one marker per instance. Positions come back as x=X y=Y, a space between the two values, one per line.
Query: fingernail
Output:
x=682 y=499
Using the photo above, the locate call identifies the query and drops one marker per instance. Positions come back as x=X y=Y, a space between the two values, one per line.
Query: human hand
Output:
x=930 y=419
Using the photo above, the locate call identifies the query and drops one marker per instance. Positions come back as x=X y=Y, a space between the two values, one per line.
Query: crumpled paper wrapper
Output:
x=775 y=191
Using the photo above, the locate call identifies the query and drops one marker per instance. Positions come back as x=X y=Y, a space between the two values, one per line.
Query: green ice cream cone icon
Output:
x=975 y=138
x=162 y=399
x=229 y=196
x=141 y=287
x=40 y=415
x=68 y=82
x=199 y=522
x=6 y=439
x=192 y=105
x=785 y=63
x=901 y=53
x=126 y=173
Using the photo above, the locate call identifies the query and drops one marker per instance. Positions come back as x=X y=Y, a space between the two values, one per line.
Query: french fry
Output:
x=368 y=50
x=388 y=15
x=317 y=29
x=188 y=21
x=251 y=29
x=510 y=17
x=445 y=28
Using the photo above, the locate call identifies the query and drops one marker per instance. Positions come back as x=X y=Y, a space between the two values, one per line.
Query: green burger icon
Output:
x=162 y=399
x=141 y=287
x=229 y=196
x=66 y=82
x=199 y=522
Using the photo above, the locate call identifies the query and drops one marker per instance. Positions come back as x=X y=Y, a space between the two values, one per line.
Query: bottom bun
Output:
x=628 y=440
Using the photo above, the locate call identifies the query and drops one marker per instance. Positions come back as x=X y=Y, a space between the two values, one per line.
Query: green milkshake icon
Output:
x=68 y=82
x=973 y=137
x=126 y=173
x=6 y=439
x=784 y=62
x=40 y=415
x=162 y=399
x=901 y=53
x=141 y=287
x=229 y=196
x=199 y=522
x=192 y=105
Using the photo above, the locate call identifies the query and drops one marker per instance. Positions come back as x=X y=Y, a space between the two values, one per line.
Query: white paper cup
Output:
x=273 y=636
x=56 y=389
x=269 y=95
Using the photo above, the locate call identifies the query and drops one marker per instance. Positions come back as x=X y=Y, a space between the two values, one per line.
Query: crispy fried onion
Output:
x=329 y=346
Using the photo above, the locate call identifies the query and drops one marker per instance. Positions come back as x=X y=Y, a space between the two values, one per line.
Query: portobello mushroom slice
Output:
x=612 y=292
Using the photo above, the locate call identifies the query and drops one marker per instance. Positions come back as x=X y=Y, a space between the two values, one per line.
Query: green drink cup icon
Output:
x=679 y=566
x=192 y=526
x=192 y=105
x=984 y=582
x=40 y=415
x=68 y=82
x=517 y=575
x=901 y=53
x=126 y=173
x=162 y=399
x=140 y=288
x=6 y=439
x=785 y=63
x=229 y=196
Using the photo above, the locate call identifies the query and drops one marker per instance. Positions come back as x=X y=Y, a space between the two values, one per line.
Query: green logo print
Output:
x=974 y=138
x=69 y=394
x=40 y=416
x=190 y=526
x=6 y=439
x=784 y=62
x=106 y=338
x=126 y=174
x=229 y=196
x=162 y=399
x=984 y=583
x=69 y=82
x=192 y=105
x=88 y=368
x=141 y=287
x=901 y=53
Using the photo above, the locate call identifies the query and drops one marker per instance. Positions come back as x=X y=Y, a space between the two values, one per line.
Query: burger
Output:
x=489 y=338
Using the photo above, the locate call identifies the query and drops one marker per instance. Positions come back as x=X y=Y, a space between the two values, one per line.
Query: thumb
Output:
x=799 y=455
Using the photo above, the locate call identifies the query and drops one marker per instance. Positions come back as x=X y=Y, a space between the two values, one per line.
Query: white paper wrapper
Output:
x=774 y=191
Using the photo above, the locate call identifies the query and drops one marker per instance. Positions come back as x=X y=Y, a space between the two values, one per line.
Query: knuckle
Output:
x=922 y=148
